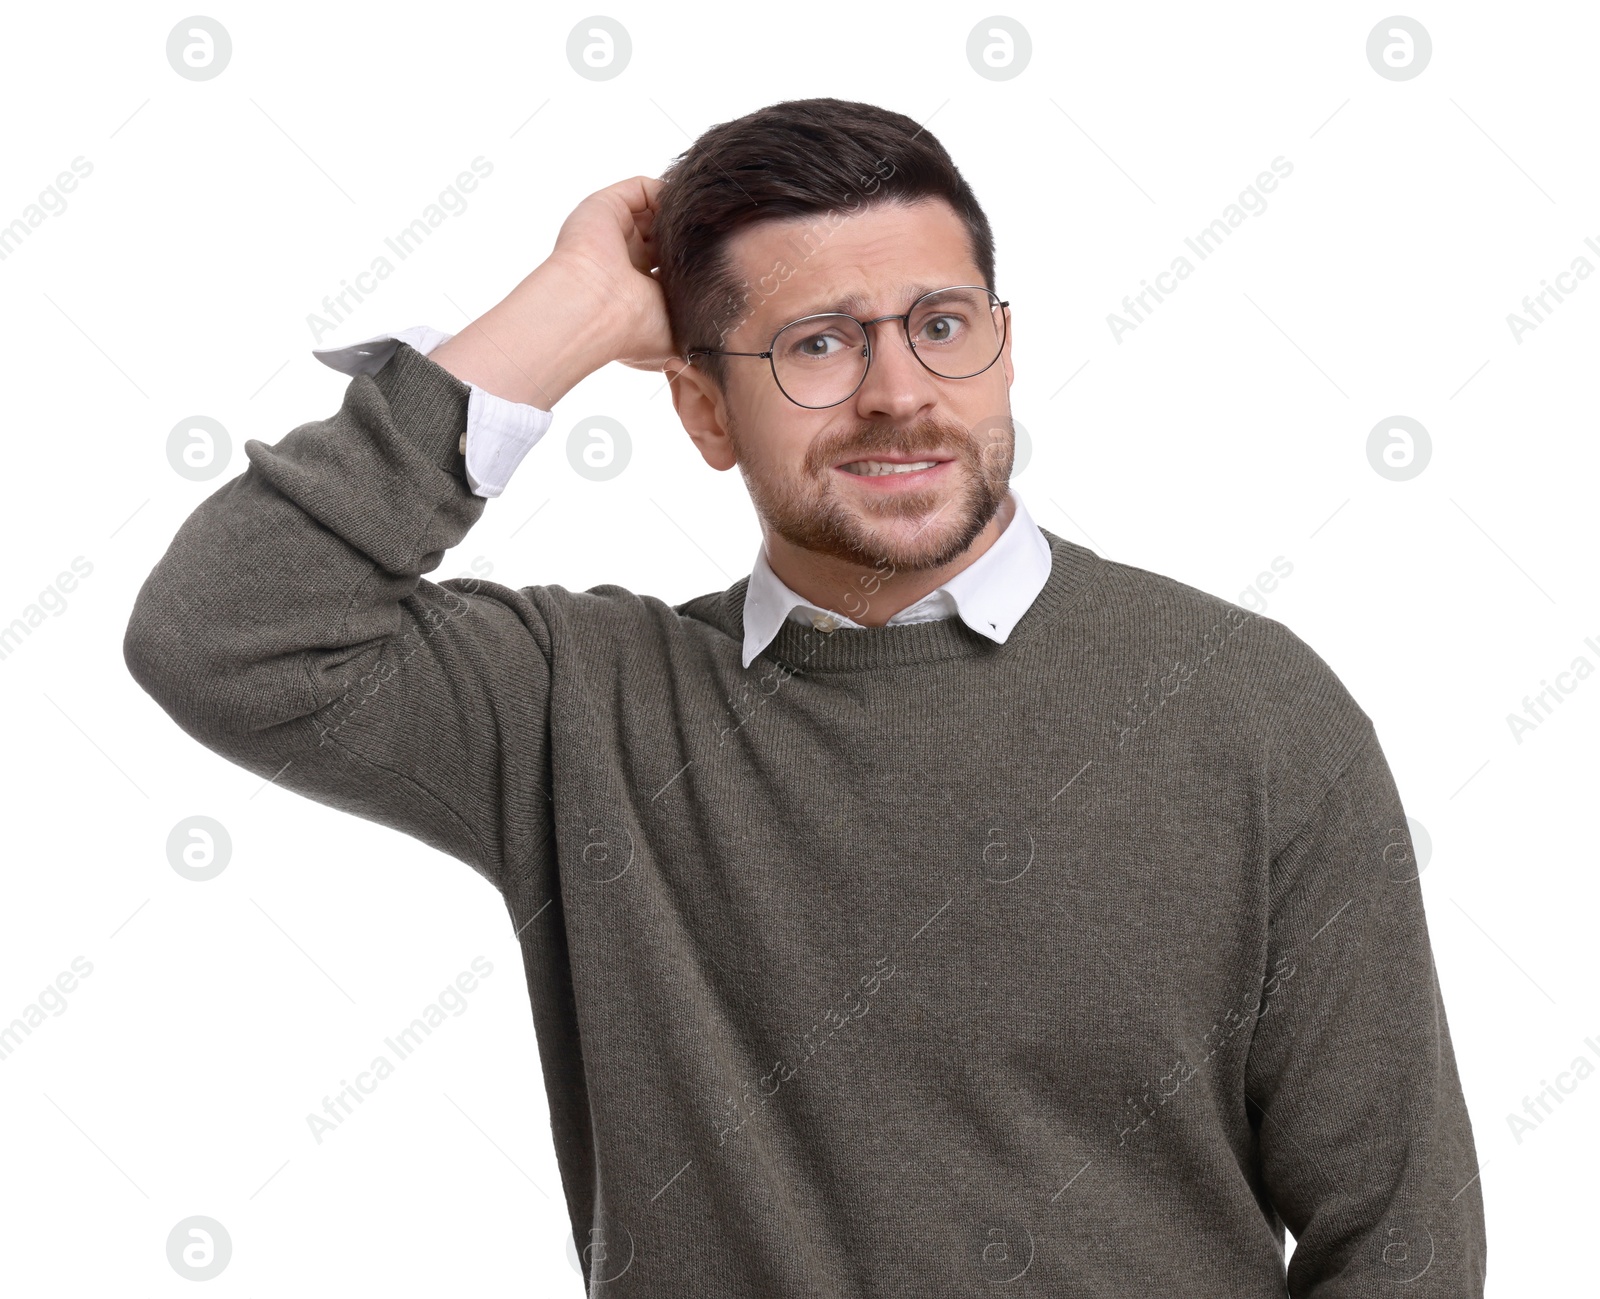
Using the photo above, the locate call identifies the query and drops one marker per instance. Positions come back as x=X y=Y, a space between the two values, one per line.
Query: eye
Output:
x=943 y=328
x=817 y=346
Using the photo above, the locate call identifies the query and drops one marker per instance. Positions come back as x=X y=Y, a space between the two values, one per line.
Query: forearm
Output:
x=250 y=617
x=537 y=343
x=289 y=628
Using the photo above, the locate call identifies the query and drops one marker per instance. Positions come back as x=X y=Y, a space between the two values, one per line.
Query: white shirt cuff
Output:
x=499 y=432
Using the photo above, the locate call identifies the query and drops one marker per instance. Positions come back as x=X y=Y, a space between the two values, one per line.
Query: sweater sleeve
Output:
x=288 y=628
x=1364 y=1142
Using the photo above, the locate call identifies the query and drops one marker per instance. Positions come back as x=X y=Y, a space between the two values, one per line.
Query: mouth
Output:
x=893 y=471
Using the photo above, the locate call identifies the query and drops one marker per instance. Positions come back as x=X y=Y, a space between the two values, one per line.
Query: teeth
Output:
x=873 y=468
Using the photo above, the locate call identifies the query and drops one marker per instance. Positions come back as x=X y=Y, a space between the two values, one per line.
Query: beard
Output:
x=911 y=531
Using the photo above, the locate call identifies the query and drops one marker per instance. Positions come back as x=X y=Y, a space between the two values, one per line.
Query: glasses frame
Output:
x=905 y=328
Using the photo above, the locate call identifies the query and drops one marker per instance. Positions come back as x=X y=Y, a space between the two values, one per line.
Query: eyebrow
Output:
x=855 y=304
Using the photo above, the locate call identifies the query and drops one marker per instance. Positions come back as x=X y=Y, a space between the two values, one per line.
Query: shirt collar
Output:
x=990 y=594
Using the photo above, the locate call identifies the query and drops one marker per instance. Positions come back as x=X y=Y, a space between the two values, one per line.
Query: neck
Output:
x=868 y=595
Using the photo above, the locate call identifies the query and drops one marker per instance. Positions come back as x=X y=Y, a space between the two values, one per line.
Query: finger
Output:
x=641 y=251
x=635 y=217
x=639 y=193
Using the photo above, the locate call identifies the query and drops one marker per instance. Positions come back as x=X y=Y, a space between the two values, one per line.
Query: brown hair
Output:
x=796 y=158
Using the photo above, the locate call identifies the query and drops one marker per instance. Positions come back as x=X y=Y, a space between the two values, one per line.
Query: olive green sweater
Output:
x=903 y=963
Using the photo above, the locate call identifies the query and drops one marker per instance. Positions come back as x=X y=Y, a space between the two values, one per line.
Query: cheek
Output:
x=776 y=435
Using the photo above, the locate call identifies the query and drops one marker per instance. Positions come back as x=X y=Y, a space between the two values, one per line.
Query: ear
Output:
x=702 y=408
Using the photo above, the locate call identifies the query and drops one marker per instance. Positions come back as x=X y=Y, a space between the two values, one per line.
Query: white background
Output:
x=1227 y=430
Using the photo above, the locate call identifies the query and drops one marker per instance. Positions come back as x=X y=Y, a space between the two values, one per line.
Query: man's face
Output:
x=792 y=458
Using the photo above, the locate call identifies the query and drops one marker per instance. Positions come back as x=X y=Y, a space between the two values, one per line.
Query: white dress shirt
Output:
x=990 y=594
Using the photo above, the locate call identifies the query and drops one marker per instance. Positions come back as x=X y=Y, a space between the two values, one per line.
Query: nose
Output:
x=898 y=386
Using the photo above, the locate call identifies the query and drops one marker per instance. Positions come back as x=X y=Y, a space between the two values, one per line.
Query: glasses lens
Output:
x=957 y=332
x=821 y=360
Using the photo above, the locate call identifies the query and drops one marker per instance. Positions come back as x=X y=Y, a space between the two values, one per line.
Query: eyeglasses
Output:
x=819 y=361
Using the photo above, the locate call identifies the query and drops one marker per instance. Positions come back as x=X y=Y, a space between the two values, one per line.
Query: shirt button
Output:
x=461 y=446
x=823 y=622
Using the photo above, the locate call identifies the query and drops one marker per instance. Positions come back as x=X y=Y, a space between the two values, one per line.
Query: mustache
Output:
x=871 y=440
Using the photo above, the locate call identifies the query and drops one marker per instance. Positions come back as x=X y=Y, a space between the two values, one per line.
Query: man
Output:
x=941 y=909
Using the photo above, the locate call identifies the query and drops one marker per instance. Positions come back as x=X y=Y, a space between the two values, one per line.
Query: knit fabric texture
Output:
x=902 y=963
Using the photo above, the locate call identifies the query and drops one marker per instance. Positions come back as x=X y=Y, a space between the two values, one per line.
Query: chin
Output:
x=912 y=545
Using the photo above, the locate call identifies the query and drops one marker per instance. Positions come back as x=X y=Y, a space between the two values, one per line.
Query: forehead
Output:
x=868 y=261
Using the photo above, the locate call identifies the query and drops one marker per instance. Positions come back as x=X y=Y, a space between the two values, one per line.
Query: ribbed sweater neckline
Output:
x=863 y=649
